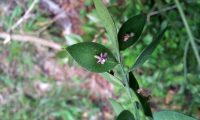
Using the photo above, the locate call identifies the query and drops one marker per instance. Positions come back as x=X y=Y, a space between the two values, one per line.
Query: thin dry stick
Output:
x=50 y=22
x=46 y=26
x=160 y=11
x=31 y=39
x=25 y=16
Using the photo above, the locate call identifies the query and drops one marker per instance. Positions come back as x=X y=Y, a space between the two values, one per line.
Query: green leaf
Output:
x=84 y=54
x=145 y=105
x=145 y=54
x=130 y=31
x=107 y=21
x=66 y=115
x=125 y=115
x=117 y=107
x=112 y=79
x=133 y=84
x=61 y=54
x=171 y=115
x=73 y=39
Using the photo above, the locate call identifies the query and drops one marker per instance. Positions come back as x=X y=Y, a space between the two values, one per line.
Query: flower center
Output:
x=127 y=36
x=101 y=59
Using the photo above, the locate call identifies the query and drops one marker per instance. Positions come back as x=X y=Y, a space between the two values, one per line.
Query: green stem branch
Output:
x=190 y=35
x=128 y=91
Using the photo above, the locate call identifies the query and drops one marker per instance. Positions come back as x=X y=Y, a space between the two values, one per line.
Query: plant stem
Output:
x=184 y=83
x=190 y=35
x=128 y=91
x=185 y=60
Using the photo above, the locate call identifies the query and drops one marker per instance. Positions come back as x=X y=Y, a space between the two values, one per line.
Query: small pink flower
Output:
x=127 y=36
x=102 y=58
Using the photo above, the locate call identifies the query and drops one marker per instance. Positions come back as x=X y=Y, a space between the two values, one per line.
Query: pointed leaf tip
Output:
x=145 y=54
x=117 y=107
x=145 y=105
x=171 y=115
x=143 y=100
x=133 y=84
x=125 y=115
x=107 y=21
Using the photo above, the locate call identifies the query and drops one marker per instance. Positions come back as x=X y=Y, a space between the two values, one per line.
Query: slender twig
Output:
x=25 y=15
x=160 y=11
x=190 y=35
x=32 y=39
x=184 y=83
x=185 y=60
x=41 y=30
